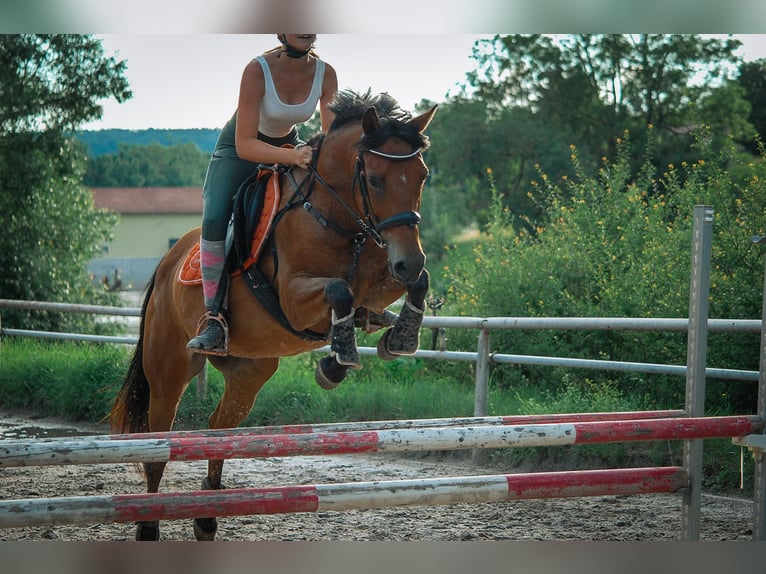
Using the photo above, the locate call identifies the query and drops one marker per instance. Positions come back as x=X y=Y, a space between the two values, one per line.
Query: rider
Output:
x=279 y=89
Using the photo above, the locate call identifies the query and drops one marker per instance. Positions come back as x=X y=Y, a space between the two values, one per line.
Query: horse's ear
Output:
x=370 y=123
x=421 y=122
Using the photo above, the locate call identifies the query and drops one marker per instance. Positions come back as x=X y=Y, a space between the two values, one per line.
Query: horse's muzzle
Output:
x=407 y=270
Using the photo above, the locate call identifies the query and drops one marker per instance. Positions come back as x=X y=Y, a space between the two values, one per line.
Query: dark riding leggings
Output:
x=225 y=173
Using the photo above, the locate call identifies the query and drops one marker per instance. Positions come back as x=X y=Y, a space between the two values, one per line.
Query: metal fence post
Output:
x=759 y=473
x=695 y=363
x=481 y=396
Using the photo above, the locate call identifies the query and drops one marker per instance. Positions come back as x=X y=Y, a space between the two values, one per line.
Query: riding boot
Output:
x=343 y=344
x=213 y=339
x=212 y=331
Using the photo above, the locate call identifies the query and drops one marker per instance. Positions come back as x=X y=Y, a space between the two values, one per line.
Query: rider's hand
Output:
x=303 y=156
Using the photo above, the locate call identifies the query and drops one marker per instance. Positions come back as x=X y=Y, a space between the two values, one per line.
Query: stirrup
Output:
x=198 y=343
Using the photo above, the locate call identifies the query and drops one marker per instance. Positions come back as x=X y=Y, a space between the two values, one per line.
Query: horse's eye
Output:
x=375 y=181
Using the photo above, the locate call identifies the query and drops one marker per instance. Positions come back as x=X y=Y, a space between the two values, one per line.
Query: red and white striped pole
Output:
x=336 y=497
x=93 y=451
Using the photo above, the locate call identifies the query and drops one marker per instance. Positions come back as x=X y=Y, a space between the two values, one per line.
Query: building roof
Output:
x=149 y=200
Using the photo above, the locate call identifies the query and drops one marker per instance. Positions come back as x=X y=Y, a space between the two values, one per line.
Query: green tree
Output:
x=535 y=95
x=49 y=85
x=752 y=78
x=152 y=165
x=647 y=76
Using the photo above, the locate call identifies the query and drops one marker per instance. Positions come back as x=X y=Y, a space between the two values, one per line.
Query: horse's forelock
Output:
x=394 y=128
x=350 y=107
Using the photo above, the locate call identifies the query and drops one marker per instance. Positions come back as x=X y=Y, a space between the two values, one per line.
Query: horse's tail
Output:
x=130 y=411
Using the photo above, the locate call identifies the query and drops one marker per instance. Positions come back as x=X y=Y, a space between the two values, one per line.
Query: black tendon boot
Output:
x=343 y=345
x=404 y=337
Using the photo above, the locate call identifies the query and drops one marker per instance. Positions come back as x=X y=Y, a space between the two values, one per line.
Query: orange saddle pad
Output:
x=191 y=269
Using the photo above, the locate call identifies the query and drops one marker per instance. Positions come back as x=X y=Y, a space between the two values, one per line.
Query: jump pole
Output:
x=355 y=426
x=338 y=497
x=89 y=451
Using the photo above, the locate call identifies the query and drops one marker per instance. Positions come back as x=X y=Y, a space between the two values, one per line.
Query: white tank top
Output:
x=278 y=118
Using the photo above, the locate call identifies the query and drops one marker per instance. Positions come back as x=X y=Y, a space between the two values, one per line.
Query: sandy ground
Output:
x=611 y=518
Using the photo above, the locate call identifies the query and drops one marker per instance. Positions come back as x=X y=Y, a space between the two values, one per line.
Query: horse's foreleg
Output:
x=332 y=369
x=343 y=343
x=404 y=337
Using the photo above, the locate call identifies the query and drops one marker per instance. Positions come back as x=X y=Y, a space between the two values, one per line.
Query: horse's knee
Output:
x=153 y=472
x=338 y=295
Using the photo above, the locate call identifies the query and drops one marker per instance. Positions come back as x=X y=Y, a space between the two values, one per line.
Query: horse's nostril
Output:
x=406 y=272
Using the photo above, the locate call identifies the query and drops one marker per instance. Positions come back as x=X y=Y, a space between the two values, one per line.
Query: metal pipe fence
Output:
x=697 y=327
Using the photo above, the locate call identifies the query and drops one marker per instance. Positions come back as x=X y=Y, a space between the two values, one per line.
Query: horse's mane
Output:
x=349 y=108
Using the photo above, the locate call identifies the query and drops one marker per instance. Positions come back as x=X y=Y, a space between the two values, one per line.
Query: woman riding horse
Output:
x=276 y=93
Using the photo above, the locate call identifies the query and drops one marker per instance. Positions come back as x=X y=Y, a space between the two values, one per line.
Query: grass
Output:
x=78 y=382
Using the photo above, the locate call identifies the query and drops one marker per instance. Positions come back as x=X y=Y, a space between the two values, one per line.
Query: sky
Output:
x=192 y=80
x=182 y=81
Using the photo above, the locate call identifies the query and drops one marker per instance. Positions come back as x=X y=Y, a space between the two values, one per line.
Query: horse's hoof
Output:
x=395 y=343
x=329 y=373
x=148 y=531
x=383 y=353
x=205 y=529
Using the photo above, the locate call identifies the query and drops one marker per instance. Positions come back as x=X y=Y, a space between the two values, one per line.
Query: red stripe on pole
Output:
x=666 y=429
x=597 y=482
x=230 y=502
x=221 y=447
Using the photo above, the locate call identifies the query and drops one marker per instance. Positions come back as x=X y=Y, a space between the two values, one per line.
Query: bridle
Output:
x=369 y=224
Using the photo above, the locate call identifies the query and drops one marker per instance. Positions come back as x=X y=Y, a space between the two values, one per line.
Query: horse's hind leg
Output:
x=404 y=337
x=163 y=404
x=244 y=378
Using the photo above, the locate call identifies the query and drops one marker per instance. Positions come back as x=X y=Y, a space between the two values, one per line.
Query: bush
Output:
x=618 y=244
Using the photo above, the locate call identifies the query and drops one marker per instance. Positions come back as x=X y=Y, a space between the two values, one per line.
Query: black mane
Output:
x=349 y=107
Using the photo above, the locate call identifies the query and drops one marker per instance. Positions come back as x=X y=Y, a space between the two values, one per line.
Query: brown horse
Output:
x=344 y=246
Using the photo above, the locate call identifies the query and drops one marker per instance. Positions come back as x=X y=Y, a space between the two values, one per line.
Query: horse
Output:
x=344 y=246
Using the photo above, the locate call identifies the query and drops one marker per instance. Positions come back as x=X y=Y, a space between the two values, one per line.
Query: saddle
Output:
x=255 y=206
